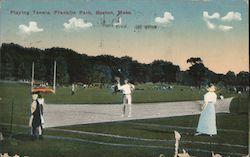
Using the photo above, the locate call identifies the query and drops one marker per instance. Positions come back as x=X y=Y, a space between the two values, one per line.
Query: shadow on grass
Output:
x=22 y=137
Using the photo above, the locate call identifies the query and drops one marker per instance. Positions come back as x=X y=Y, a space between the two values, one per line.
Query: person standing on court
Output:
x=73 y=89
x=127 y=90
x=35 y=122
x=207 y=120
x=40 y=100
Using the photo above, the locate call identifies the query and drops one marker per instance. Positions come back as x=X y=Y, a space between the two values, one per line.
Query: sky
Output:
x=146 y=30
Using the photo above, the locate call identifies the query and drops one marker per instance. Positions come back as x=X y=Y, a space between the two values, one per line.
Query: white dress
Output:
x=207 y=121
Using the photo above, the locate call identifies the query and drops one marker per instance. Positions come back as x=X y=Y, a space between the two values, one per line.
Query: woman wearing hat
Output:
x=207 y=121
x=35 y=123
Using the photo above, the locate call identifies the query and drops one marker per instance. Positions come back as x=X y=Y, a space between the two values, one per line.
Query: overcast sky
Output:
x=215 y=30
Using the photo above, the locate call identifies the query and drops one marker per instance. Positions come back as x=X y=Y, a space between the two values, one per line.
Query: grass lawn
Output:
x=139 y=138
x=19 y=96
x=144 y=93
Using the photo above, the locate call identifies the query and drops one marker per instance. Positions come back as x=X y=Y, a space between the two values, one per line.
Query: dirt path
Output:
x=71 y=114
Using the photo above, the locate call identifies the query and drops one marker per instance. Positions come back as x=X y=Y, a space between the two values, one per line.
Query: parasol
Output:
x=42 y=90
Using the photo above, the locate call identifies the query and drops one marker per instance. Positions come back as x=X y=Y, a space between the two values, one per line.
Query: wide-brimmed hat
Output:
x=211 y=88
x=34 y=96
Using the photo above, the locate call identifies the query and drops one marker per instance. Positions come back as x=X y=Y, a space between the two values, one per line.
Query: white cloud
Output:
x=227 y=18
x=232 y=16
x=75 y=24
x=213 y=16
x=32 y=28
x=210 y=25
x=225 y=28
x=167 y=18
x=207 y=18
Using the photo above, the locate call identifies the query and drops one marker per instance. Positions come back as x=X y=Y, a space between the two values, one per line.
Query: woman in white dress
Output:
x=207 y=121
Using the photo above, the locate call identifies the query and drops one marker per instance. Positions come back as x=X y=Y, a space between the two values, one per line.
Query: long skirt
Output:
x=207 y=121
x=36 y=125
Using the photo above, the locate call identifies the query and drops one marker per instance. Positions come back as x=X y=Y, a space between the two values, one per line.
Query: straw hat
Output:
x=34 y=96
x=211 y=88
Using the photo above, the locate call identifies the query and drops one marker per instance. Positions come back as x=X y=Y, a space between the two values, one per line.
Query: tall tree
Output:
x=158 y=73
x=139 y=72
x=100 y=74
x=62 y=71
x=125 y=65
x=21 y=72
x=243 y=78
x=163 y=71
x=86 y=69
x=8 y=67
x=40 y=71
x=197 y=70
x=230 y=78
x=194 y=60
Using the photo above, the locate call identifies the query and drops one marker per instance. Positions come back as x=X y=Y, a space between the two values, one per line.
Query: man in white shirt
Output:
x=73 y=89
x=127 y=90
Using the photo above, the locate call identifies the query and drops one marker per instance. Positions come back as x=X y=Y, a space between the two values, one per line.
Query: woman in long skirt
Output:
x=36 y=117
x=207 y=121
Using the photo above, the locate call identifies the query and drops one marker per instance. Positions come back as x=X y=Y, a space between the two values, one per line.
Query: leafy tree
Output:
x=194 y=60
x=184 y=78
x=157 y=71
x=230 y=78
x=197 y=70
x=62 y=71
x=72 y=67
x=8 y=67
x=101 y=74
x=163 y=71
x=217 y=78
x=125 y=65
x=21 y=72
x=139 y=72
x=243 y=78
x=40 y=71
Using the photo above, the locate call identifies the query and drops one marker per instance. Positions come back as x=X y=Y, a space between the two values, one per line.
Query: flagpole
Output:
x=54 y=83
x=32 y=75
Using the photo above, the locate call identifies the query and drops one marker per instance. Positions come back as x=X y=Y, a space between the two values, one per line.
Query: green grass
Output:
x=240 y=104
x=233 y=128
x=19 y=96
x=145 y=93
x=61 y=148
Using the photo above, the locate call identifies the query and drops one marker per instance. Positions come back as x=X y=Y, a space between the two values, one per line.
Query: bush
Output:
x=239 y=104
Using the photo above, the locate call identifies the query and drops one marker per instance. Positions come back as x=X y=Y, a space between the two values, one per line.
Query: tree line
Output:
x=72 y=67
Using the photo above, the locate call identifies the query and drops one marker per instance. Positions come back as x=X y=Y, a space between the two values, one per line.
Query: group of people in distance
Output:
x=206 y=124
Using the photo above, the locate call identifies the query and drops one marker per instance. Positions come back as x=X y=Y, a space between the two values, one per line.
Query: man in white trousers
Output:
x=127 y=90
